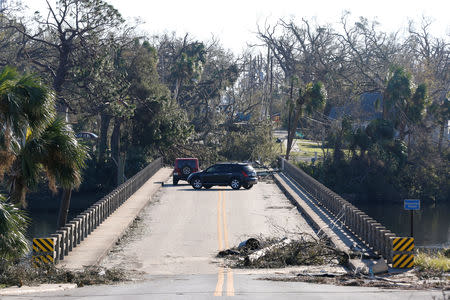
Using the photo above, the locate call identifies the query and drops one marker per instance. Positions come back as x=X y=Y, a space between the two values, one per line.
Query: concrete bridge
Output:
x=86 y=239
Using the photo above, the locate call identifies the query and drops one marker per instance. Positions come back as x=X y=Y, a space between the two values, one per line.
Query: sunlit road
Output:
x=183 y=230
x=179 y=234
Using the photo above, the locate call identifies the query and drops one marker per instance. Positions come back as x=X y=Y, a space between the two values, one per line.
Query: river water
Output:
x=43 y=211
x=431 y=223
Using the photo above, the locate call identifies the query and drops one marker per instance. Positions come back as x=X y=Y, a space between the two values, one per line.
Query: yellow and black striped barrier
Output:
x=403 y=252
x=44 y=245
x=44 y=251
x=44 y=258
x=403 y=244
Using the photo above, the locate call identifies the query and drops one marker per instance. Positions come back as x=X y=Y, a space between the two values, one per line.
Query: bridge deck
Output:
x=96 y=246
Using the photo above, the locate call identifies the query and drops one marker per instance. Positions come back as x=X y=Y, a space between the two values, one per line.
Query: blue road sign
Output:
x=411 y=204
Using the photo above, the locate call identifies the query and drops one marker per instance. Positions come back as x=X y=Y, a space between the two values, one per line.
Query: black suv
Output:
x=232 y=174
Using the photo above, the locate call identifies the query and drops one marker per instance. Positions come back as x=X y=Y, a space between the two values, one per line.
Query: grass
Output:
x=307 y=148
x=438 y=262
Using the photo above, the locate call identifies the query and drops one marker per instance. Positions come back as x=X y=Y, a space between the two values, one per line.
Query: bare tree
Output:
x=67 y=27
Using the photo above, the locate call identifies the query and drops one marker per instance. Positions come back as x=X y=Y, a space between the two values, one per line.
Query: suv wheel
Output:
x=175 y=181
x=235 y=184
x=248 y=186
x=186 y=170
x=197 y=183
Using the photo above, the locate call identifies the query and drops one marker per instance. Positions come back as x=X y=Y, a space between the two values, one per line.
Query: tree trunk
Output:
x=289 y=140
x=115 y=144
x=441 y=136
x=291 y=133
x=337 y=153
x=64 y=207
x=60 y=78
x=18 y=191
x=120 y=170
x=177 y=88
x=115 y=140
x=103 y=140
x=271 y=87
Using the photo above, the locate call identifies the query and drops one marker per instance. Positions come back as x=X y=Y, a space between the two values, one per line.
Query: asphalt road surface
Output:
x=179 y=234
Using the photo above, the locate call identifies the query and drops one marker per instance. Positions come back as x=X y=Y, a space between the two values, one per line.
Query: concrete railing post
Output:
x=66 y=240
x=75 y=228
x=376 y=227
x=90 y=218
x=57 y=245
x=389 y=238
x=62 y=243
x=83 y=233
x=381 y=241
x=69 y=229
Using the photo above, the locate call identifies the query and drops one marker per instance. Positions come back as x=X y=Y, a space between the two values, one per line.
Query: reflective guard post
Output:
x=44 y=251
x=403 y=252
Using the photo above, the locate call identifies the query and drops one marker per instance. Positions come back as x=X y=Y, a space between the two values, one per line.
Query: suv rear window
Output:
x=192 y=163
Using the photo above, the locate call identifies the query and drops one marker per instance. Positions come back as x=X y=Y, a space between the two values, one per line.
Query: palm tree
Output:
x=56 y=152
x=13 y=221
x=33 y=141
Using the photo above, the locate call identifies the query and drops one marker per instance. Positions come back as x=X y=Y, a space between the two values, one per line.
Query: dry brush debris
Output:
x=273 y=253
x=26 y=274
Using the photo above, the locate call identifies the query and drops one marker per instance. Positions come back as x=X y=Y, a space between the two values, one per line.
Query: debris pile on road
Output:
x=408 y=279
x=273 y=253
x=25 y=274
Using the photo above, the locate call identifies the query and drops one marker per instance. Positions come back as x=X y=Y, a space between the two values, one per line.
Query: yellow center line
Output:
x=223 y=235
x=220 y=275
x=219 y=225
x=219 y=284
x=224 y=219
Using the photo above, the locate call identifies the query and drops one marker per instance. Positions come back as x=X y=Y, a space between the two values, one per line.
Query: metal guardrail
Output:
x=368 y=230
x=76 y=230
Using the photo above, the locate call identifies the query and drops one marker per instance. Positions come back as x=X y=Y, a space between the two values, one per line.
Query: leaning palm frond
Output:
x=13 y=224
x=24 y=102
x=55 y=151
x=60 y=154
x=25 y=105
x=37 y=100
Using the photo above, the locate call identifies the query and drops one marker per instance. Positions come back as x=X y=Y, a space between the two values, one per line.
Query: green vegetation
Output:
x=437 y=262
x=13 y=222
x=381 y=163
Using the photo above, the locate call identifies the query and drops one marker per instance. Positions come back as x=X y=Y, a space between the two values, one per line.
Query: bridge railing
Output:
x=368 y=230
x=76 y=230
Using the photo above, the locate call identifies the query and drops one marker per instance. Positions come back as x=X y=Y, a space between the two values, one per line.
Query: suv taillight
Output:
x=245 y=174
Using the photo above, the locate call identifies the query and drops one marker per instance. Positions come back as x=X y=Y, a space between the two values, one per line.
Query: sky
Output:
x=234 y=22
